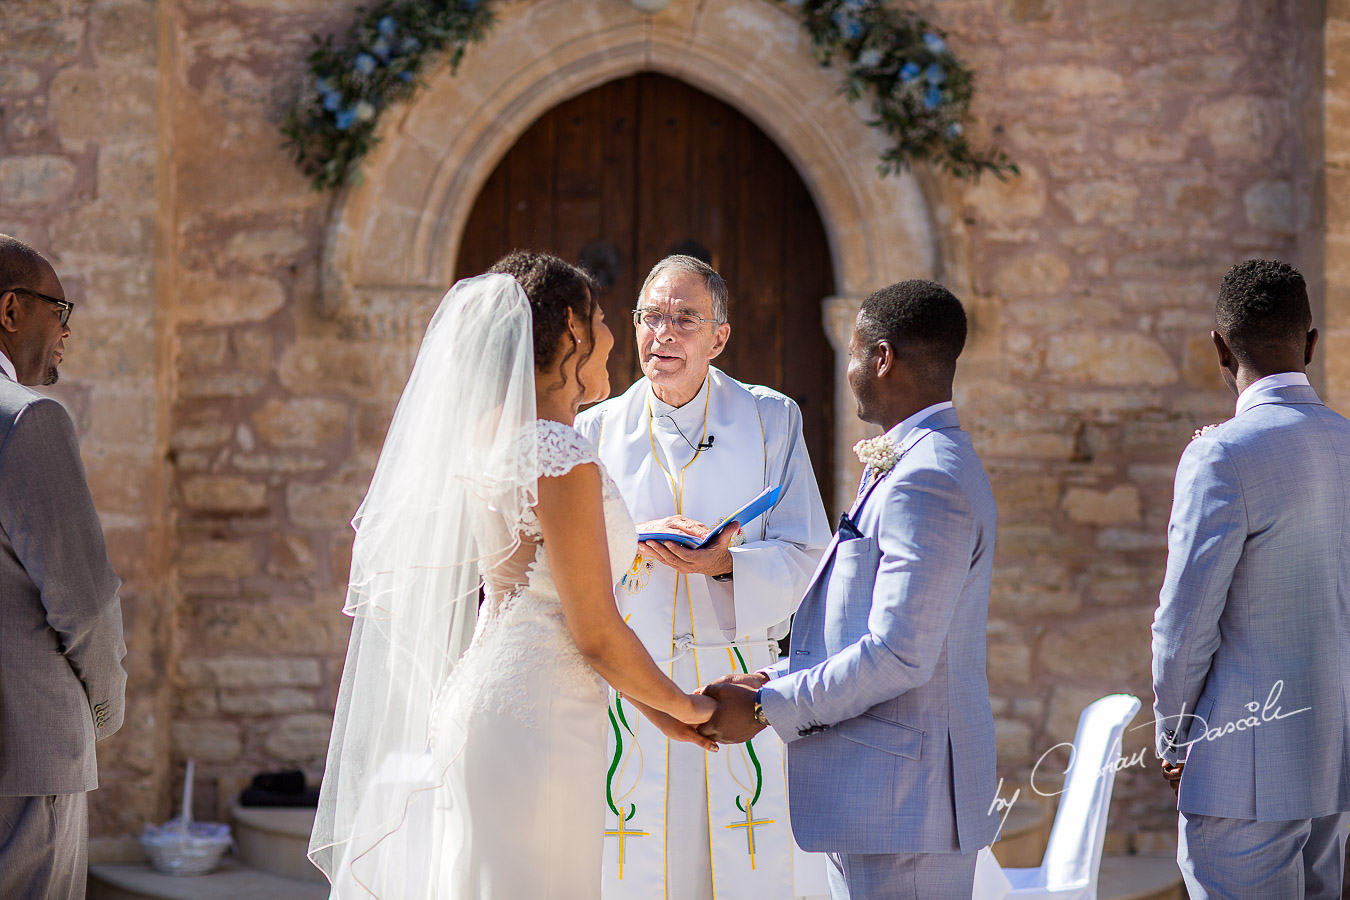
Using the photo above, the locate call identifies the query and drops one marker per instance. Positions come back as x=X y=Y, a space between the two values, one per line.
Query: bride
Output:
x=478 y=777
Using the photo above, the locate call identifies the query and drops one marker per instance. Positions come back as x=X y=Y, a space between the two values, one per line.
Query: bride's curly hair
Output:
x=553 y=287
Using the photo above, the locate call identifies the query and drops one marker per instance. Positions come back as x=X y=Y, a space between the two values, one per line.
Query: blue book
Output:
x=745 y=515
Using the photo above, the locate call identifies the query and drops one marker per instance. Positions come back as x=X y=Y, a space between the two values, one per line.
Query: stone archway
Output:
x=398 y=234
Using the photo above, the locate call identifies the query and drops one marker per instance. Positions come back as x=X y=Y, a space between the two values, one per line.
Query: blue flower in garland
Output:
x=387 y=26
x=795 y=2
x=365 y=63
x=934 y=74
x=955 y=130
x=381 y=48
x=345 y=118
x=410 y=45
x=910 y=71
x=332 y=100
x=405 y=76
x=849 y=27
x=932 y=98
x=469 y=4
x=934 y=43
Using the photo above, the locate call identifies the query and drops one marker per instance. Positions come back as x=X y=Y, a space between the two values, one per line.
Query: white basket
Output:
x=195 y=850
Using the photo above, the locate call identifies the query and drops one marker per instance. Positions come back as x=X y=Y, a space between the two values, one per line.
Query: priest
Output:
x=687 y=446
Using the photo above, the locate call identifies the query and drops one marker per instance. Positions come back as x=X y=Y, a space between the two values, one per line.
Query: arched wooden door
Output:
x=638 y=168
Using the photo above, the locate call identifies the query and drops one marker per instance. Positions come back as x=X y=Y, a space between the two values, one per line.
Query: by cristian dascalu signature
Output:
x=1261 y=713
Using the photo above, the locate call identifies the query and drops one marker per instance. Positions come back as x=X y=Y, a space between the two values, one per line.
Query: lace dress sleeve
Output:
x=561 y=449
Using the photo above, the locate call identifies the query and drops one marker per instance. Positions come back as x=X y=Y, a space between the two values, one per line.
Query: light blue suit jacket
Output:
x=1257 y=600
x=883 y=702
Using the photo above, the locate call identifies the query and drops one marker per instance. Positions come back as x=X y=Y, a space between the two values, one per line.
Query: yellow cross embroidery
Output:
x=622 y=833
x=749 y=826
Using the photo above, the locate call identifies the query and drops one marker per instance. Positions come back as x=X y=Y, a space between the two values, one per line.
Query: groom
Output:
x=883 y=703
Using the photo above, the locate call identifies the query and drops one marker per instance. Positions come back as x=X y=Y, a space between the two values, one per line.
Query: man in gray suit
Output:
x=883 y=702
x=1251 y=640
x=61 y=646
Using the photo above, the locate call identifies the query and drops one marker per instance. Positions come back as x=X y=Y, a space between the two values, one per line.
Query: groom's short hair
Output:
x=922 y=321
x=1263 y=308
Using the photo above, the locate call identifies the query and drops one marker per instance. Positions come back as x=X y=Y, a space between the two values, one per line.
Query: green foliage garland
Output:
x=331 y=126
x=921 y=91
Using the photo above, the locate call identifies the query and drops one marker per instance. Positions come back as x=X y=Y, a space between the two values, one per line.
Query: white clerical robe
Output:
x=682 y=823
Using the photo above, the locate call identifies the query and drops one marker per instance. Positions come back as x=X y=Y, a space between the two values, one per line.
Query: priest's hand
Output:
x=734 y=720
x=712 y=560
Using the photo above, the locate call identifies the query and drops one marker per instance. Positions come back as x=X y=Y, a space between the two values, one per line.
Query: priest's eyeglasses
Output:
x=64 y=305
x=651 y=317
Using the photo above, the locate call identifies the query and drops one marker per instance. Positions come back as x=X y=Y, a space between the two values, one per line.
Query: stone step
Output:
x=232 y=881
x=1120 y=878
x=274 y=839
x=1140 y=878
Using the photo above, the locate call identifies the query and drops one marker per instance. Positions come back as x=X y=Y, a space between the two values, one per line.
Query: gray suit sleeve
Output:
x=926 y=538
x=1205 y=537
x=46 y=510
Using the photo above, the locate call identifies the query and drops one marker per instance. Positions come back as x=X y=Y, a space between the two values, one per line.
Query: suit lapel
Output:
x=939 y=421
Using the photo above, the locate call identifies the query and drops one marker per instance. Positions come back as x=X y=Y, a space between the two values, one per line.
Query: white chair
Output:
x=1068 y=871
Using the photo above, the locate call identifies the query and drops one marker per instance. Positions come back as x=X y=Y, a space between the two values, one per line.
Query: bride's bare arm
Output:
x=571 y=516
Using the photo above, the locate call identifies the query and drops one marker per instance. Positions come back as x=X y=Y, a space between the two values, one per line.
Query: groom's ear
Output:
x=883 y=359
x=1226 y=358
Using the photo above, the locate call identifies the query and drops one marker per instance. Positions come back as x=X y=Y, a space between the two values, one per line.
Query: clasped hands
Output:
x=720 y=712
x=712 y=560
x=733 y=721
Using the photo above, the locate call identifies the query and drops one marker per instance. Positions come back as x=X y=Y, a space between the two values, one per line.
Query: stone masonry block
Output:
x=301 y=422
x=207 y=740
x=1094 y=507
x=41 y=180
x=210 y=300
x=300 y=738
x=1112 y=359
x=1111 y=649
x=244 y=672
x=220 y=559
x=224 y=494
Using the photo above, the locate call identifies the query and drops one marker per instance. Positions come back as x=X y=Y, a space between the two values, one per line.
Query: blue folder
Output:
x=745 y=515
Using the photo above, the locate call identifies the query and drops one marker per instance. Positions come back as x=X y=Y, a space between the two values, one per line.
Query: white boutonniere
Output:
x=1201 y=432
x=878 y=454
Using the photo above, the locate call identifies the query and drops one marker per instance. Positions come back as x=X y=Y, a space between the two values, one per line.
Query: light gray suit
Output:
x=61 y=648
x=884 y=703
x=1251 y=642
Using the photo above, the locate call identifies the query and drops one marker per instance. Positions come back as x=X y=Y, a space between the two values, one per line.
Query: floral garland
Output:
x=921 y=90
x=331 y=126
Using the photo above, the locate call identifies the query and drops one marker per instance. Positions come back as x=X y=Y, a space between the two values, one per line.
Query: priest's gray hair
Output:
x=692 y=265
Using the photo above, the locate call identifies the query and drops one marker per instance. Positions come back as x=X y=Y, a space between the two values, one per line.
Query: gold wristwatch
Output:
x=759 y=709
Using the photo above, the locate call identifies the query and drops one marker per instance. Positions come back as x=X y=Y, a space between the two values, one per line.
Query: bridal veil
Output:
x=453 y=451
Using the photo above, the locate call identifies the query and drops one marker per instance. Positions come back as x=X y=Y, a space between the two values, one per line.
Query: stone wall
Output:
x=80 y=178
x=230 y=422
x=1160 y=143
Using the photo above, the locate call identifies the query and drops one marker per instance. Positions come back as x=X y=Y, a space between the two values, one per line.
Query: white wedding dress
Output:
x=529 y=712
x=466 y=760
